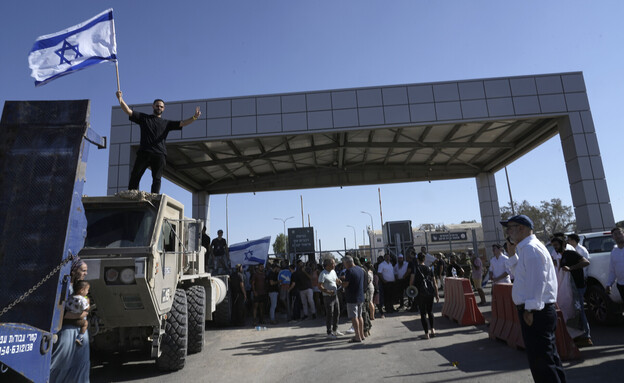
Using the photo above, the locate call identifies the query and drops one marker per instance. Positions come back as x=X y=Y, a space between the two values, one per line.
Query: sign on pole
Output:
x=301 y=240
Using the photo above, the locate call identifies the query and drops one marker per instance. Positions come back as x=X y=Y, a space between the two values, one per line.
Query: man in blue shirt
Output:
x=284 y=277
x=354 y=296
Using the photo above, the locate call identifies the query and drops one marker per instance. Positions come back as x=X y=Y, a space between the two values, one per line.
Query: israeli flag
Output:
x=73 y=49
x=250 y=252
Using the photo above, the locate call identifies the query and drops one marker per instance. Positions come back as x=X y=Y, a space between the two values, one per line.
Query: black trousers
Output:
x=425 y=306
x=238 y=309
x=154 y=161
x=332 y=311
x=539 y=341
x=389 y=295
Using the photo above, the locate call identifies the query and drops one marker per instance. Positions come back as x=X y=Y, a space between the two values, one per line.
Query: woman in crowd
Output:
x=427 y=290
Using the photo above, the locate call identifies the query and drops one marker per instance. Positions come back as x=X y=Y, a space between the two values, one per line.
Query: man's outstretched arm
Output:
x=123 y=104
x=188 y=121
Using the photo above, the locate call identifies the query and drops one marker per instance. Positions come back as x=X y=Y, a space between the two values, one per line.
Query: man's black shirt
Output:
x=218 y=247
x=154 y=131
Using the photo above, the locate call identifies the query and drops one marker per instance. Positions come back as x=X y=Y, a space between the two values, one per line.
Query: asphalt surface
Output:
x=301 y=352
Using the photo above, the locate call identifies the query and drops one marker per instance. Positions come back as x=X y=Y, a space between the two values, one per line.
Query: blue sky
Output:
x=186 y=50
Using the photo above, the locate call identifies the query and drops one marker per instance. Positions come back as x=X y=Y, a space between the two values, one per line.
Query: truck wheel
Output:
x=601 y=308
x=196 y=297
x=174 y=341
x=223 y=313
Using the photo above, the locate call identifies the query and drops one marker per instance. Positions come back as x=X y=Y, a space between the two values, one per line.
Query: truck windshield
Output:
x=119 y=227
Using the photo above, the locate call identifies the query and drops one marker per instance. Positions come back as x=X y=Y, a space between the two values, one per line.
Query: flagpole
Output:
x=115 y=45
x=117 y=72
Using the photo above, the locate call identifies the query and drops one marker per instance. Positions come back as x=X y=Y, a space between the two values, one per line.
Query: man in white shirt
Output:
x=535 y=292
x=499 y=272
x=616 y=264
x=402 y=277
x=385 y=270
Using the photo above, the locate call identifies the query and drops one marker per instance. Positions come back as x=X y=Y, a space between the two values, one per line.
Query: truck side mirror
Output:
x=194 y=235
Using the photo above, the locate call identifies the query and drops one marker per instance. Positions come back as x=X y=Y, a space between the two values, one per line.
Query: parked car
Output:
x=603 y=308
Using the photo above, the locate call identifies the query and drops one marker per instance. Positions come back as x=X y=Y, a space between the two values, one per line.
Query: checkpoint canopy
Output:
x=377 y=135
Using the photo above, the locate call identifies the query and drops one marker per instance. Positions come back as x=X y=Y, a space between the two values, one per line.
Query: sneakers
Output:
x=350 y=331
x=338 y=333
x=331 y=336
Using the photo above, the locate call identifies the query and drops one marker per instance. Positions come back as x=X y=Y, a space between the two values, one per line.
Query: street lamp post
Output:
x=354 y=237
x=284 y=222
x=370 y=238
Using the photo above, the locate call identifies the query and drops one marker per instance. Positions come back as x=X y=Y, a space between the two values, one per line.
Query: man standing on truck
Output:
x=205 y=241
x=152 y=150
x=220 y=252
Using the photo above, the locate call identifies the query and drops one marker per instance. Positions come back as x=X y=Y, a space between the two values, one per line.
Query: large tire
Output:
x=602 y=310
x=173 y=344
x=223 y=313
x=196 y=297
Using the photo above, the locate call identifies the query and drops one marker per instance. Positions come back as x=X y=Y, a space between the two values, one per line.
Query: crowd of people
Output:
x=355 y=288
x=363 y=291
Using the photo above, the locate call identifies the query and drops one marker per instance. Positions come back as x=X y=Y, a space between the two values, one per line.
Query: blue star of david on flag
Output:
x=95 y=37
x=67 y=47
x=249 y=257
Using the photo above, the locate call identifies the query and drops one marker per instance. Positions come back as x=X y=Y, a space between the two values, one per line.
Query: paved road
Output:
x=300 y=352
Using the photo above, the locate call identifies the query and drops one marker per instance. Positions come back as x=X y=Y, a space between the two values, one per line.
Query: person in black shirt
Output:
x=423 y=278
x=205 y=241
x=220 y=252
x=273 y=289
x=353 y=284
x=152 y=150
x=238 y=296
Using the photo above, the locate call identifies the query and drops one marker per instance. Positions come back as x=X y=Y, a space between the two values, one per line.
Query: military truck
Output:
x=146 y=270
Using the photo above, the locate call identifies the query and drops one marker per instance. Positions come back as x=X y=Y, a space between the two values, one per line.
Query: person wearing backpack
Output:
x=427 y=290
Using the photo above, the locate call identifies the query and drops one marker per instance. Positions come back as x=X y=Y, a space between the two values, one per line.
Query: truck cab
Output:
x=146 y=269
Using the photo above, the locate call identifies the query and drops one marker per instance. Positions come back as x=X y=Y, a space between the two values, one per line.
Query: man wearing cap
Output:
x=535 y=292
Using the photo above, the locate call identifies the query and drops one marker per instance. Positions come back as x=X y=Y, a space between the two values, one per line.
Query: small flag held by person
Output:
x=72 y=49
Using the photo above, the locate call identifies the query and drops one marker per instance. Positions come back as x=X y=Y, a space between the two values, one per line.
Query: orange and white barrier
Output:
x=505 y=324
x=460 y=304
